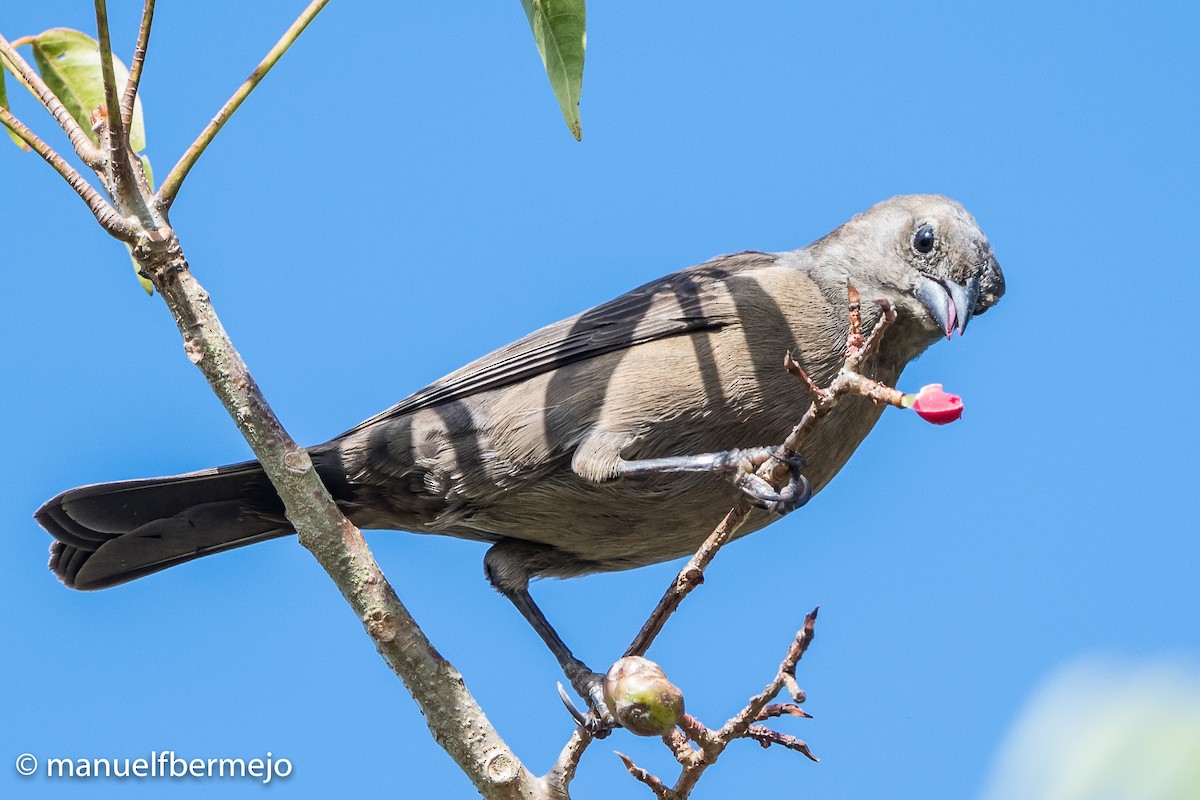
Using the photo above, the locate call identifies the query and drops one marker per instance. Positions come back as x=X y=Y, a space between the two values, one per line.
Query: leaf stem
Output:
x=118 y=140
x=123 y=186
x=170 y=186
x=135 y=66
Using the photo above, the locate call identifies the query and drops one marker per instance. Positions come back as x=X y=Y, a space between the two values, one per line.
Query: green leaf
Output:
x=561 y=36
x=70 y=64
x=4 y=104
x=149 y=172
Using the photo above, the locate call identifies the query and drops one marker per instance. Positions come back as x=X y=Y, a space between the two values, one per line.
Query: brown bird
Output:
x=601 y=442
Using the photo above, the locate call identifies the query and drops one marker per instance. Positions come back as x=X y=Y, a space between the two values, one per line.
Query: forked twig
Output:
x=767 y=737
x=697 y=747
x=847 y=381
x=455 y=718
x=117 y=173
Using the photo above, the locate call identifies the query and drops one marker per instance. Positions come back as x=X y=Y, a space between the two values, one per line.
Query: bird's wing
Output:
x=683 y=302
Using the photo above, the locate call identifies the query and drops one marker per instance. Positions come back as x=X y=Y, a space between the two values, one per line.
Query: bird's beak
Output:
x=991 y=285
x=950 y=303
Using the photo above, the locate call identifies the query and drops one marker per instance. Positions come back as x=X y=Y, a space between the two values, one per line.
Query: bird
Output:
x=605 y=441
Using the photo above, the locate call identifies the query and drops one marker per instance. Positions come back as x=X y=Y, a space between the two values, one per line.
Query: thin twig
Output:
x=872 y=344
x=738 y=725
x=557 y=780
x=170 y=186
x=697 y=732
x=854 y=341
x=793 y=366
x=136 y=65
x=798 y=695
x=123 y=185
x=742 y=725
x=712 y=743
x=767 y=737
x=112 y=101
x=656 y=785
x=781 y=710
x=680 y=744
x=848 y=381
x=691 y=576
x=105 y=214
x=19 y=67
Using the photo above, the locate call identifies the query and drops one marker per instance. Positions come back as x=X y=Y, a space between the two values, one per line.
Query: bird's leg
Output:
x=589 y=685
x=743 y=465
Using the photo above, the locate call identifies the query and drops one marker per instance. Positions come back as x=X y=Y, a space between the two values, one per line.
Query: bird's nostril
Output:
x=991 y=285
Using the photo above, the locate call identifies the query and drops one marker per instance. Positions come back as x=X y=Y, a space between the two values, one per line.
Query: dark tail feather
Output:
x=110 y=533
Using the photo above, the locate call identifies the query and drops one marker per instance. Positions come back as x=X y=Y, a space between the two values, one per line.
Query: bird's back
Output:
x=691 y=363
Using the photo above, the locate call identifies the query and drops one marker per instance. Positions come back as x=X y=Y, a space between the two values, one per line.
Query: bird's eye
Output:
x=923 y=239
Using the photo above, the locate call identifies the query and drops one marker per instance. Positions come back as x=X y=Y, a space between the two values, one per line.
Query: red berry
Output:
x=934 y=405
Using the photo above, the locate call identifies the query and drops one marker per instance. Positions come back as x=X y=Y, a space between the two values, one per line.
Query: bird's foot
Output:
x=743 y=465
x=599 y=721
x=795 y=493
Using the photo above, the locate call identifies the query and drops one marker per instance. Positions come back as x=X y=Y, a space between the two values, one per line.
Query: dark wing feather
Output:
x=683 y=302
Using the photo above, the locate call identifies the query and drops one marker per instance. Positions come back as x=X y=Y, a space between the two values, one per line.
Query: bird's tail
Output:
x=110 y=533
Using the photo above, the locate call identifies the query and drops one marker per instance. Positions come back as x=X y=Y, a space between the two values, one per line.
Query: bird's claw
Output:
x=795 y=493
x=742 y=466
x=599 y=721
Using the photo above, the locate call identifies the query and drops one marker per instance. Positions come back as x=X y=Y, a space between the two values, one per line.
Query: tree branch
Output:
x=710 y=744
x=847 y=381
x=456 y=721
x=80 y=141
x=558 y=779
x=123 y=186
x=112 y=102
x=691 y=576
x=170 y=186
x=654 y=782
x=136 y=65
x=767 y=737
x=105 y=214
x=753 y=710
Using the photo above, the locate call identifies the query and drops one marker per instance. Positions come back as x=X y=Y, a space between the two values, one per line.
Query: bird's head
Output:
x=927 y=254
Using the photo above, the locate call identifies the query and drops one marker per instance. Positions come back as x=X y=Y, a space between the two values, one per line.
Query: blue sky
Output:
x=401 y=196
